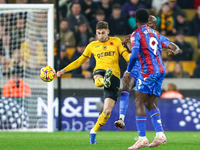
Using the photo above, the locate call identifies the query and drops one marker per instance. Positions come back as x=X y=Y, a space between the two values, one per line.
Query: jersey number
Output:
x=153 y=44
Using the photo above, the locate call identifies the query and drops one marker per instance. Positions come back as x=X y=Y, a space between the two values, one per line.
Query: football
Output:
x=47 y=74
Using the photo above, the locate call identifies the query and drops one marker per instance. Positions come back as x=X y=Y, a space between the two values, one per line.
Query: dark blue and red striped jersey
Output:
x=150 y=50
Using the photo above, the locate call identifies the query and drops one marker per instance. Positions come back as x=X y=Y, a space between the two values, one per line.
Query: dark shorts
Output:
x=113 y=91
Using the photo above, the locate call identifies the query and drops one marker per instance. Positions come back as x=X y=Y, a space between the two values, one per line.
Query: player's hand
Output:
x=127 y=39
x=59 y=73
x=126 y=77
x=170 y=52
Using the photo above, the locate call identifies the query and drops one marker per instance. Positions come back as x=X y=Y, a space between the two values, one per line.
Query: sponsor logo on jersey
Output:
x=110 y=53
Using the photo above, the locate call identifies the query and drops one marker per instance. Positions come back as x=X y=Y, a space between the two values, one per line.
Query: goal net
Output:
x=26 y=45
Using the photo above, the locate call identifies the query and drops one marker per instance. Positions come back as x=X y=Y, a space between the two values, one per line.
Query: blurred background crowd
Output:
x=179 y=20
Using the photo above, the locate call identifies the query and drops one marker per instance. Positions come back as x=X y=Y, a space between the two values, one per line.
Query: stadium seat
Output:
x=70 y=51
x=67 y=75
x=192 y=40
x=190 y=13
x=187 y=66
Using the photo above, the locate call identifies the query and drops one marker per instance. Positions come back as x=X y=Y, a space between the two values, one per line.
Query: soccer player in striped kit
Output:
x=130 y=84
x=146 y=47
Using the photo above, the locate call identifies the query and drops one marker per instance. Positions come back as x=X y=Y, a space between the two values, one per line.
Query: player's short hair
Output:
x=142 y=15
x=102 y=25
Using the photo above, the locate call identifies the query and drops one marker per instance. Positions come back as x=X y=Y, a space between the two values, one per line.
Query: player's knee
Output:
x=107 y=112
x=126 y=88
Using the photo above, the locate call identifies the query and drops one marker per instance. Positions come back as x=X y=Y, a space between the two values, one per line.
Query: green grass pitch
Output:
x=106 y=140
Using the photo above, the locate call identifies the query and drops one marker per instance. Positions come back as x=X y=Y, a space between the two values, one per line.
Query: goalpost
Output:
x=26 y=45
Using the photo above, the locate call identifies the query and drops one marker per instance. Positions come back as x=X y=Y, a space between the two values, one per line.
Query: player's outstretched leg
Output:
x=141 y=142
x=106 y=80
x=119 y=123
x=123 y=105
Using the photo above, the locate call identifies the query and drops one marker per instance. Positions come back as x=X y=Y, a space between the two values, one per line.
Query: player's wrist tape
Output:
x=177 y=49
x=127 y=71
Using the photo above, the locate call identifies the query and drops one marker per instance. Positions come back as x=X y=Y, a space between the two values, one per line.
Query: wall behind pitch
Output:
x=80 y=114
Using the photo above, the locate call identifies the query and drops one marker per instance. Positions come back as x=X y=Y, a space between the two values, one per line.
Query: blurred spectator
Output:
x=167 y=71
x=64 y=61
x=38 y=18
x=117 y=22
x=43 y=38
x=106 y=7
x=19 y=31
x=75 y=18
x=46 y=1
x=195 y=23
x=21 y=1
x=120 y=1
x=11 y=19
x=157 y=5
x=171 y=91
x=179 y=72
x=3 y=24
x=129 y=8
x=187 y=50
x=16 y=87
x=196 y=3
x=4 y=2
x=174 y=7
x=182 y=24
x=83 y=34
x=196 y=73
x=185 y=4
x=88 y=8
x=16 y=60
x=7 y=46
x=79 y=50
x=64 y=6
x=99 y=16
x=85 y=71
x=166 y=20
x=32 y=52
x=146 y=3
x=55 y=20
x=66 y=36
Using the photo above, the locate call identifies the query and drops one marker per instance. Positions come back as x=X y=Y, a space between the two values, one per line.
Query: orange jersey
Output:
x=11 y=90
x=171 y=94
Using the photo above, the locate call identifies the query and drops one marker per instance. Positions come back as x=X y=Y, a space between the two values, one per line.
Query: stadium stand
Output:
x=187 y=66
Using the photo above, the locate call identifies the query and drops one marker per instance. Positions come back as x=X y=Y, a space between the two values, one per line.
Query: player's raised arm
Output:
x=135 y=38
x=126 y=41
x=123 y=51
x=173 y=49
x=75 y=64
